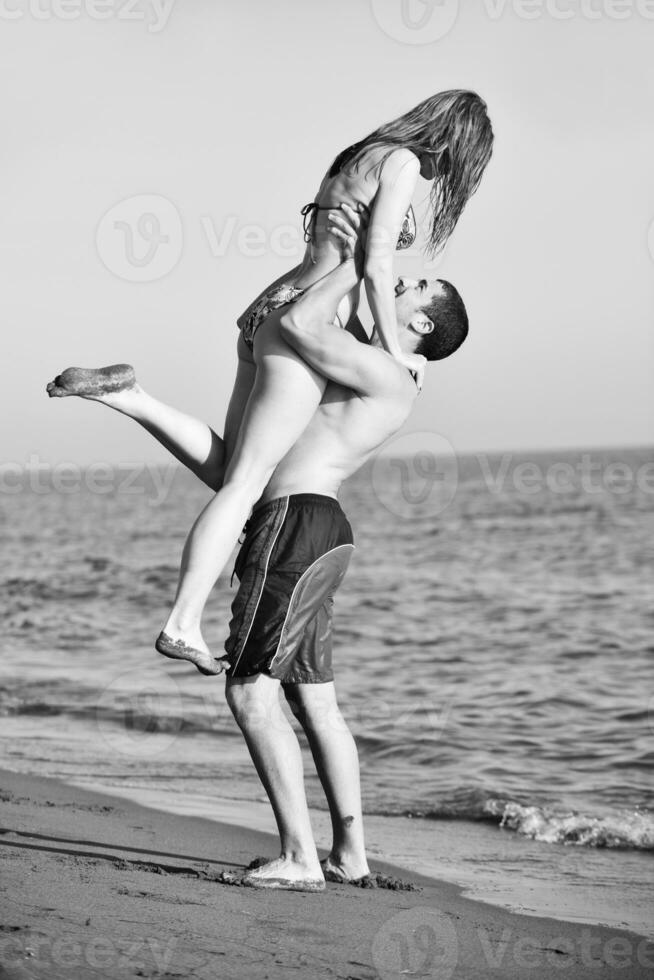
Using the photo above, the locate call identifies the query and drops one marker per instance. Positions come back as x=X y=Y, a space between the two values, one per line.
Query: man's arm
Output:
x=308 y=327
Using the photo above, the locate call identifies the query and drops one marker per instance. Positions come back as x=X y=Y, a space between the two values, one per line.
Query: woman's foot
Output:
x=344 y=867
x=98 y=384
x=287 y=875
x=197 y=652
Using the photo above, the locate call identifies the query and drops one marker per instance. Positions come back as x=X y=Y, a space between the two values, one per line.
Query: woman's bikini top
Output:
x=405 y=239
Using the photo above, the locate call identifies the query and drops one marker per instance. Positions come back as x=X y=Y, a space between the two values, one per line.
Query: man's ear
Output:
x=422 y=324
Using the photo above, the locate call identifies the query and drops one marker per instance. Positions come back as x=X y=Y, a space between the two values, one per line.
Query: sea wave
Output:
x=148 y=715
x=626 y=830
x=631 y=831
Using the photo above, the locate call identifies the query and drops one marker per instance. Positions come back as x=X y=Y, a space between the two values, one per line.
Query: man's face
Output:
x=411 y=295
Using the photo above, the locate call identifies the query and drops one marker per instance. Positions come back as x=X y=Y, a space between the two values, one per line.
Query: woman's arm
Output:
x=397 y=184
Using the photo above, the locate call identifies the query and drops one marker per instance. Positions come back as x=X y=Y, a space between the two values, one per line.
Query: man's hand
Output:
x=350 y=227
x=416 y=364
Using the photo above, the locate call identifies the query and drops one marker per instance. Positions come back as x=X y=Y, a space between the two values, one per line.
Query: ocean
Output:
x=493 y=656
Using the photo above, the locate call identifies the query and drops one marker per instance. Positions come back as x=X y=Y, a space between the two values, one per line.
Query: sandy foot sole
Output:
x=178 y=650
x=92 y=382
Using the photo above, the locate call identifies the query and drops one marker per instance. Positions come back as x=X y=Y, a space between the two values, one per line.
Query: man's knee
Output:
x=314 y=705
x=250 y=699
x=239 y=698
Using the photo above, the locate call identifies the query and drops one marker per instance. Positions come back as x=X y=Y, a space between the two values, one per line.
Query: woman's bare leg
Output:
x=284 y=398
x=337 y=764
x=190 y=440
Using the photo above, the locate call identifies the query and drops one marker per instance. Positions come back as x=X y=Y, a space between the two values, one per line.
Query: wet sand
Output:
x=97 y=886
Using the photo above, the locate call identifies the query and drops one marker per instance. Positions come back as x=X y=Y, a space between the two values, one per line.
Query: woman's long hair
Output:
x=452 y=128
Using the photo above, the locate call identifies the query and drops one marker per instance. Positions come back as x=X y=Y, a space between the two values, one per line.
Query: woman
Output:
x=447 y=140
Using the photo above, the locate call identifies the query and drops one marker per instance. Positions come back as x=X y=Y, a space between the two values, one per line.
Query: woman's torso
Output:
x=353 y=186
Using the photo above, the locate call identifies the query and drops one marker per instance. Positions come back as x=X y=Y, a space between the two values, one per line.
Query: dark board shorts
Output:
x=293 y=558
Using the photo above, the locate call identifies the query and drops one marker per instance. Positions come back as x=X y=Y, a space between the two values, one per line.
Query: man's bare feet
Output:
x=343 y=868
x=94 y=383
x=287 y=875
x=200 y=655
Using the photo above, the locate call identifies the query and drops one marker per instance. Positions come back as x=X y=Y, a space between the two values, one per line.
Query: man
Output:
x=297 y=546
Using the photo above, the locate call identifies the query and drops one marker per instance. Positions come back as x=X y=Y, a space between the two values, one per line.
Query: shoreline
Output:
x=86 y=874
x=483 y=879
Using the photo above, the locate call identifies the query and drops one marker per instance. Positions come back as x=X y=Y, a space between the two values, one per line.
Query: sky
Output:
x=156 y=154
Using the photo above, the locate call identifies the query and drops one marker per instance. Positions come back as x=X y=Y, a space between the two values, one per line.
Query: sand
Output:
x=96 y=886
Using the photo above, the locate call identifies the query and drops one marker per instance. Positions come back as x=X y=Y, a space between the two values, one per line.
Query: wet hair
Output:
x=448 y=314
x=452 y=128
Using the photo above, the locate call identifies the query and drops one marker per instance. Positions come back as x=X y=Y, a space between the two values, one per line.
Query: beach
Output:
x=489 y=750
x=94 y=885
x=492 y=663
